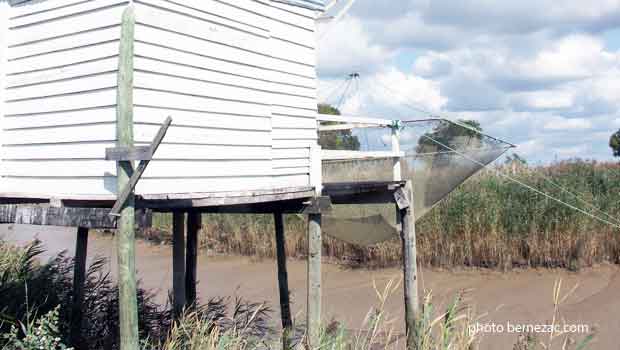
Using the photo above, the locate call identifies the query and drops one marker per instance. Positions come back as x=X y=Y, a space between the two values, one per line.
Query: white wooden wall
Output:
x=237 y=76
x=241 y=95
x=4 y=16
x=60 y=96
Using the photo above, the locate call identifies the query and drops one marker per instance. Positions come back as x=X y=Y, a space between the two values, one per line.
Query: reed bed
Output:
x=488 y=221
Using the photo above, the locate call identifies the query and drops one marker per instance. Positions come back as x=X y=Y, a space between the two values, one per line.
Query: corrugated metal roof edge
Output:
x=309 y=4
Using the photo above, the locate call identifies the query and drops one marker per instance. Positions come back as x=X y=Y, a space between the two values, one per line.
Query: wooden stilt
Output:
x=178 y=262
x=285 y=305
x=79 y=277
x=314 y=280
x=194 y=223
x=128 y=309
x=410 y=271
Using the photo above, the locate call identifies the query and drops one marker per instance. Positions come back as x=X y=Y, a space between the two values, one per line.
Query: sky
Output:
x=542 y=74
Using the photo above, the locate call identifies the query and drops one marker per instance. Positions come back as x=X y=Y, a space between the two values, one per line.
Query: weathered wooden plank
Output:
x=194 y=224
x=79 y=277
x=198 y=200
x=129 y=153
x=314 y=280
x=128 y=310
x=401 y=199
x=371 y=192
x=318 y=205
x=178 y=262
x=131 y=183
x=45 y=215
x=410 y=272
x=285 y=303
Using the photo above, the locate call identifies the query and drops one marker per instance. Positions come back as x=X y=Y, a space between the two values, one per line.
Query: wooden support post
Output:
x=194 y=222
x=285 y=303
x=314 y=280
x=79 y=277
x=396 y=168
x=410 y=271
x=178 y=262
x=128 y=309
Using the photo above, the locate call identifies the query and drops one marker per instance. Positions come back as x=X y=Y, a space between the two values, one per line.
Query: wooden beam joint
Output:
x=317 y=205
x=401 y=199
x=127 y=154
x=139 y=171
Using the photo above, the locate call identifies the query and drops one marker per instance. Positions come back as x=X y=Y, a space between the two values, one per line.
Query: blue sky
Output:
x=544 y=74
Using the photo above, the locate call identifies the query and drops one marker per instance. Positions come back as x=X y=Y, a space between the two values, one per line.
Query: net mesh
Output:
x=439 y=155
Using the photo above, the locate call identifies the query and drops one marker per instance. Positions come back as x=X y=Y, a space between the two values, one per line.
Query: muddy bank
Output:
x=517 y=297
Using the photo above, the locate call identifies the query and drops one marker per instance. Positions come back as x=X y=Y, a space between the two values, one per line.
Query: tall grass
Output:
x=487 y=222
x=30 y=289
x=39 y=320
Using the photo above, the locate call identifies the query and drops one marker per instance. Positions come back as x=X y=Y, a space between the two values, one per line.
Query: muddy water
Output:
x=502 y=299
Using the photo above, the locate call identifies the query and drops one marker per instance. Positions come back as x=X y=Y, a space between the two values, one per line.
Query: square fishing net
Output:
x=437 y=155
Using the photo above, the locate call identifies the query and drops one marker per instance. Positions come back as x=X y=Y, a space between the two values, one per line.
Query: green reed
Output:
x=489 y=221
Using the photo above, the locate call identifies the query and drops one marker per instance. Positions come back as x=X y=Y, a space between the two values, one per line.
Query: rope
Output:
x=583 y=201
x=520 y=183
x=344 y=93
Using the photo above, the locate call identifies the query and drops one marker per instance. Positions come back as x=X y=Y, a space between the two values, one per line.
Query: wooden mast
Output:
x=128 y=310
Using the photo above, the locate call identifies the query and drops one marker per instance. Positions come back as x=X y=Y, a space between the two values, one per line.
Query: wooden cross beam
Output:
x=131 y=153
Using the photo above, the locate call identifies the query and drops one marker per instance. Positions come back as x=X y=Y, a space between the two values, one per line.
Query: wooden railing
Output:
x=343 y=122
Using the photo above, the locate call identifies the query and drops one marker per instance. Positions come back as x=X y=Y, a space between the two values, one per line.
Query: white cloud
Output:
x=345 y=47
x=559 y=123
x=535 y=72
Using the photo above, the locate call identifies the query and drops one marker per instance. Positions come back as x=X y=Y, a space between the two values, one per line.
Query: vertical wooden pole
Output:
x=79 y=277
x=128 y=313
x=396 y=168
x=314 y=280
x=285 y=303
x=178 y=262
x=410 y=270
x=194 y=222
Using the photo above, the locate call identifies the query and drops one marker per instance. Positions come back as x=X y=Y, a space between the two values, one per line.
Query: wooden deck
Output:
x=92 y=211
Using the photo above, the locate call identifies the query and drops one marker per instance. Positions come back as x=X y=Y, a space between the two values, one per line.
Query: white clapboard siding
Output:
x=169 y=52
x=66 y=118
x=299 y=36
x=68 y=26
x=60 y=13
x=61 y=134
x=156 y=169
x=59 y=187
x=26 y=8
x=83 y=100
x=165 y=99
x=97 y=66
x=154 y=81
x=63 y=87
x=207 y=74
x=65 y=43
x=4 y=15
x=234 y=14
x=286 y=14
x=198 y=119
x=291 y=122
x=288 y=51
x=237 y=77
x=63 y=59
x=299 y=10
x=192 y=135
x=96 y=150
x=107 y=185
